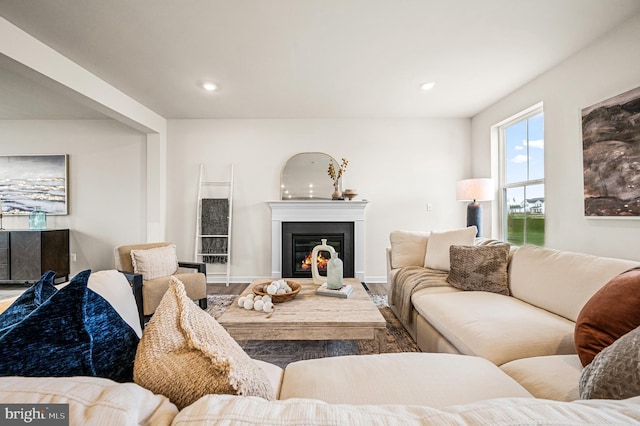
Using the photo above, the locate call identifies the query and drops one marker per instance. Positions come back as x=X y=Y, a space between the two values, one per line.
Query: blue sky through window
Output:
x=524 y=145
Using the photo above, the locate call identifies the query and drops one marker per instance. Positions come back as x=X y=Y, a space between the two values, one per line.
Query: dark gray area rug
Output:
x=284 y=352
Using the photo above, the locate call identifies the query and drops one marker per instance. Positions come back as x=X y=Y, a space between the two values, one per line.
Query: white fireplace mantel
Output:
x=317 y=211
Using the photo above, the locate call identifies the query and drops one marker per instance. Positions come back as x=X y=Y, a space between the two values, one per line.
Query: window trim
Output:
x=500 y=129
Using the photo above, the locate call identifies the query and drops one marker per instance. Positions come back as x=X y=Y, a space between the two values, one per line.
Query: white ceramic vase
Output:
x=315 y=274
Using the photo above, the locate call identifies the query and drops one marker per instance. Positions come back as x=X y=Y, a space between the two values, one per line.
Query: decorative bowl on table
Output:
x=262 y=290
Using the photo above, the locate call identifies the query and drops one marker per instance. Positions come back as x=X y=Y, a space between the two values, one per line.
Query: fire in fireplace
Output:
x=299 y=239
x=303 y=245
x=320 y=260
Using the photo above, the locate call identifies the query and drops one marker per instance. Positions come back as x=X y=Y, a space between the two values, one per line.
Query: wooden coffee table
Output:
x=310 y=317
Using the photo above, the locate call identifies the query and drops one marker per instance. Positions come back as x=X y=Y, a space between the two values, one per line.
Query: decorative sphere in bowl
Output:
x=262 y=289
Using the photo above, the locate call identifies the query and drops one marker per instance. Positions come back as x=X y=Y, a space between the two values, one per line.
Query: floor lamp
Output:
x=475 y=190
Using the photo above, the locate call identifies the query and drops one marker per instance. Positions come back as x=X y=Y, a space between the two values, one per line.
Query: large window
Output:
x=521 y=142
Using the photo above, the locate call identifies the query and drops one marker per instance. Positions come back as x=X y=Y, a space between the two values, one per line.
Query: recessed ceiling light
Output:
x=428 y=86
x=208 y=86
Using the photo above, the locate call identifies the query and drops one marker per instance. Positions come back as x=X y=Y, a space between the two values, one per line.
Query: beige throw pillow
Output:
x=156 y=262
x=437 y=256
x=184 y=354
x=482 y=268
x=408 y=248
x=115 y=289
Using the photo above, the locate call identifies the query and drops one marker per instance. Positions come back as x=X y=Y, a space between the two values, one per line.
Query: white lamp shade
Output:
x=480 y=189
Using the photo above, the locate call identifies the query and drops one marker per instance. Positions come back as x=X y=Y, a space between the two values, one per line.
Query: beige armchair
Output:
x=157 y=262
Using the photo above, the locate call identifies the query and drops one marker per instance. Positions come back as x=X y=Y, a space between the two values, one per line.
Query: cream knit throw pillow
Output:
x=185 y=354
x=156 y=262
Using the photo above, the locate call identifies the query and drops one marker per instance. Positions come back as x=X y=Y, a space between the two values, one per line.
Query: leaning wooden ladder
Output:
x=214 y=233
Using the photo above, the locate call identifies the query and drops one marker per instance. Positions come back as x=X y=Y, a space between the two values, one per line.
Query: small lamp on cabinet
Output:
x=475 y=190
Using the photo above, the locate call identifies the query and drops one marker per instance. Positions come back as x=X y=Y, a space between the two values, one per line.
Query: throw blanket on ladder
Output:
x=411 y=279
x=214 y=221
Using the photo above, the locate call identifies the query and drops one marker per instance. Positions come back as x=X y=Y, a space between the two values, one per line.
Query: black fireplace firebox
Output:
x=299 y=239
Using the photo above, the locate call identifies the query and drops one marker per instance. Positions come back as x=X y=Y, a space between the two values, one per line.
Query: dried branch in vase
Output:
x=335 y=176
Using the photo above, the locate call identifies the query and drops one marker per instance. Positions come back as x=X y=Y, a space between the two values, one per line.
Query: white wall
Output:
x=607 y=68
x=106 y=182
x=397 y=164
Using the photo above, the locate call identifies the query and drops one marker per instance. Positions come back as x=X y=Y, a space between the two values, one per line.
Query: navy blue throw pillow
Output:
x=76 y=332
x=28 y=301
x=114 y=341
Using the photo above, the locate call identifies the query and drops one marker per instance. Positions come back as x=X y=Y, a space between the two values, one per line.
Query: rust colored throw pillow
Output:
x=612 y=312
x=480 y=268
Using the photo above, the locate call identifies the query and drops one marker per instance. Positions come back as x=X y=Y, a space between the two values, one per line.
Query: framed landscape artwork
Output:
x=30 y=181
x=611 y=156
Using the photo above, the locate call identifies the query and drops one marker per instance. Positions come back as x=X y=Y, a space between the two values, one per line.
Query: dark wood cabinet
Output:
x=4 y=255
x=26 y=254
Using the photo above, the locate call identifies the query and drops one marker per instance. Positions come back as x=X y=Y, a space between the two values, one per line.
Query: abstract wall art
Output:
x=30 y=181
x=611 y=156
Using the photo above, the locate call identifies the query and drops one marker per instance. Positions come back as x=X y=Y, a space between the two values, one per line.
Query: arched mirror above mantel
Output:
x=304 y=177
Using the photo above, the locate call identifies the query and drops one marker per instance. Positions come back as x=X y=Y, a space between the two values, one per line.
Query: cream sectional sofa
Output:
x=384 y=389
x=417 y=389
x=529 y=334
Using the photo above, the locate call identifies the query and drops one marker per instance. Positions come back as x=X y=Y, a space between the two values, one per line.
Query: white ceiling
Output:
x=305 y=58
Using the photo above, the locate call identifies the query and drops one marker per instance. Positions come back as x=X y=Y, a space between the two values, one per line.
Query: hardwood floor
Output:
x=377 y=288
x=237 y=288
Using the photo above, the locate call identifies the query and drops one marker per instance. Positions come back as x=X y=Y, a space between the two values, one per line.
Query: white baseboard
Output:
x=375 y=279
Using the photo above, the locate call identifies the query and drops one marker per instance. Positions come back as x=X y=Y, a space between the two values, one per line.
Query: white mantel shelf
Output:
x=317 y=211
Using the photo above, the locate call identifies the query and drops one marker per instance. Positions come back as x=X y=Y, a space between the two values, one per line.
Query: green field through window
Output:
x=534 y=229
